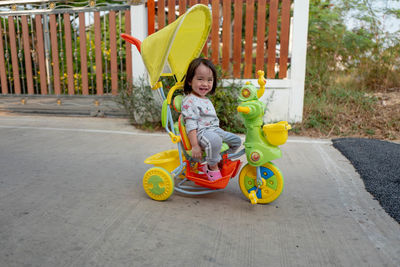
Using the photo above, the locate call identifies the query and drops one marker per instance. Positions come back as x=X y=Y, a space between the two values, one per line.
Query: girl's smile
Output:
x=202 y=81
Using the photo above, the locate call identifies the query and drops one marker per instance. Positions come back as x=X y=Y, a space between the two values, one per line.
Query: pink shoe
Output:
x=213 y=175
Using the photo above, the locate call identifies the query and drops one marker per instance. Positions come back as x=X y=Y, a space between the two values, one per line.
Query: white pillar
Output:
x=299 y=53
x=139 y=31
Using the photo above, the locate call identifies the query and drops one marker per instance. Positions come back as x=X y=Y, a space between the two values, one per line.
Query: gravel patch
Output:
x=378 y=163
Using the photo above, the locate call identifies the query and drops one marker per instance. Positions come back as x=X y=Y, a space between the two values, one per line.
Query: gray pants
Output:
x=211 y=141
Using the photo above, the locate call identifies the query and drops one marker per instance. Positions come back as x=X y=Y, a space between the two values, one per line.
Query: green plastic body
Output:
x=258 y=150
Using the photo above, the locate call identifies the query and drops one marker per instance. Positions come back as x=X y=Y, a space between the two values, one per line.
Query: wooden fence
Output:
x=66 y=51
x=246 y=35
x=44 y=51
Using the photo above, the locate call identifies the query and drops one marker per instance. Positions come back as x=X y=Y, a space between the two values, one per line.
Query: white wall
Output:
x=139 y=31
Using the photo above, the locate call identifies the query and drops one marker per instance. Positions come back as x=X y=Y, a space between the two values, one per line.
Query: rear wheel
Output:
x=158 y=183
x=272 y=182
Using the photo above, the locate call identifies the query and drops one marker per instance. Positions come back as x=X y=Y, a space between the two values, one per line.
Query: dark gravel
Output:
x=378 y=163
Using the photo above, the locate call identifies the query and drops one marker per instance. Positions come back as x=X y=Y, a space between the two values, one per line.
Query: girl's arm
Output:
x=196 y=149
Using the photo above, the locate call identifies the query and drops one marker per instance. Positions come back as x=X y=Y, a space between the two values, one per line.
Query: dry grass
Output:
x=374 y=115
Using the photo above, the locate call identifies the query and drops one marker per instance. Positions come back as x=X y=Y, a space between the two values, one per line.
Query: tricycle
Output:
x=168 y=52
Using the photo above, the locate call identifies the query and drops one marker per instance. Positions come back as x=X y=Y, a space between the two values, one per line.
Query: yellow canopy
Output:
x=177 y=44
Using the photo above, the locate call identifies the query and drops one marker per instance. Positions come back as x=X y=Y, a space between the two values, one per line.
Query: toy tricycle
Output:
x=168 y=52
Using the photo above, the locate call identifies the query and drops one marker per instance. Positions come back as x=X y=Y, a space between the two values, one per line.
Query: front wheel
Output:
x=158 y=183
x=272 y=182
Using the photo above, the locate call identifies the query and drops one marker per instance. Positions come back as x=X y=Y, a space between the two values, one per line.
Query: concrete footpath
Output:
x=71 y=195
x=94 y=106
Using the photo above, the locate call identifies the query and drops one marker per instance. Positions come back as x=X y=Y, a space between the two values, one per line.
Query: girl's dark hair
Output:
x=192 y=69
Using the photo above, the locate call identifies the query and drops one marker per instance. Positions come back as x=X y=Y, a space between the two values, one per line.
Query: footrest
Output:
x=229 y=170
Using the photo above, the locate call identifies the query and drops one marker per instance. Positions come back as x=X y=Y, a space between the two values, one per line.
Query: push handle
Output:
x=177 y=86
x=132 y=40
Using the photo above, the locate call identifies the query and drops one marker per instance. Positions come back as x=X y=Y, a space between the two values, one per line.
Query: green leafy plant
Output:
x=225 y=102
x=141 y=104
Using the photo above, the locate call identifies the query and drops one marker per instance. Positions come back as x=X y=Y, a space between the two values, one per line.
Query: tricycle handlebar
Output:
x=242 y=109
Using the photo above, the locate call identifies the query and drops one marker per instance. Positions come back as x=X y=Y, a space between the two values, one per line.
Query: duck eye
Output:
x=245 y=93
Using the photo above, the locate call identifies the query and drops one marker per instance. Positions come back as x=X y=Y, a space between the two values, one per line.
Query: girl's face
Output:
x=202 y=81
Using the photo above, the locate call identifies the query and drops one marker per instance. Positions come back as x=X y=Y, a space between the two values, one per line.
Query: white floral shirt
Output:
x=199 y=113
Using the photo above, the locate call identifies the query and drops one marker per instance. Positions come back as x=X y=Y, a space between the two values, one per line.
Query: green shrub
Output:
x=225 y=101
x=143 y=105
x=346 y=66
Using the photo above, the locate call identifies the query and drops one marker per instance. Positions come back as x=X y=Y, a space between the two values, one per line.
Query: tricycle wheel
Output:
x=158 y=183
x=272 y=182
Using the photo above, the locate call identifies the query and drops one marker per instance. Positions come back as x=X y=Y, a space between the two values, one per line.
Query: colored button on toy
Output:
x=255 y=156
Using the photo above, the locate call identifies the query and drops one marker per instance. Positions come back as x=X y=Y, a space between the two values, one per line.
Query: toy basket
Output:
x=169 y=160
x=277 y=133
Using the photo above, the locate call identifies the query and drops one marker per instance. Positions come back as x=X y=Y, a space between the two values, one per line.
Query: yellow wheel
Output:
x=272 y=183
x=158 y=183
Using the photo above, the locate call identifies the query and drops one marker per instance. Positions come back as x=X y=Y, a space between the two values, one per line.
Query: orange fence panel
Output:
x=3 y=76
x=54 y=51
x=248 y=54
x=215 y=32
x=285 y=31
x=14 y=54
x=161 y=14
x=113 y=54
x=260 y=34
x=171 y=15
x=182 y=7
x=205 y=48
x=83 y=50
x=226 y=35
x=27 y=54
x=272 y=32
x=150 y=17
x=128 y=49
x=68 y=52
x=237 y=38
x=98 y=59
x=40 y=51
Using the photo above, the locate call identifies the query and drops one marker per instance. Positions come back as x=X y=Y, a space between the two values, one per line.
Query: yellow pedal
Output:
x=253 y=197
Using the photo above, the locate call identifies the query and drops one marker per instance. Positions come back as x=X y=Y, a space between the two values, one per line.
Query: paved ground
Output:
x=71 y=195
x=95 y=106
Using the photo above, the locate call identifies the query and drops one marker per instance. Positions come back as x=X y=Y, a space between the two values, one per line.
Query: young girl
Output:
x=202 y=123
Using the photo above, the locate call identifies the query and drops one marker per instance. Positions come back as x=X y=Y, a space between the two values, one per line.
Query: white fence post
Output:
x=139 y=31
x=299 y=53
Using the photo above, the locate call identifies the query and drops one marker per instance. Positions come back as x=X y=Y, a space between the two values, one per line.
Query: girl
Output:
x=202 y=123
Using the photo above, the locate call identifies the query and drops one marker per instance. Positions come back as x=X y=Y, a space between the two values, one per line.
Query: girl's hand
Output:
x=196 y=149
x=196 y=152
